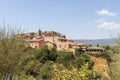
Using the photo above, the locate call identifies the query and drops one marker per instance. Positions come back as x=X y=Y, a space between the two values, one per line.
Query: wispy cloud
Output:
x=106 y=12
x=109 y=26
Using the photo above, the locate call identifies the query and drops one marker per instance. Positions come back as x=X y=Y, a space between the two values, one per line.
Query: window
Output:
x=60 y=46
x=70 y=46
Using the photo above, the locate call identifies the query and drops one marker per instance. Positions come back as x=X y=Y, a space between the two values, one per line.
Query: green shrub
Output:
x=45 y=70
x=23 y=76
x=82 y=73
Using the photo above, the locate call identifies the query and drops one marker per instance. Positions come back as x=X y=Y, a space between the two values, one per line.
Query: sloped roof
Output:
x=34 y=40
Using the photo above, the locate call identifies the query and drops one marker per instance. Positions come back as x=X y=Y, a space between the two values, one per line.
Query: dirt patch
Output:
x=101 y=66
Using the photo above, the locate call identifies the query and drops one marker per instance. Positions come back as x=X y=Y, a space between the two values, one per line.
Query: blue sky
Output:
x=77 y=19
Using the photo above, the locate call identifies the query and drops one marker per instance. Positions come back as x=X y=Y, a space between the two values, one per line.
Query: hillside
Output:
x=101 y=42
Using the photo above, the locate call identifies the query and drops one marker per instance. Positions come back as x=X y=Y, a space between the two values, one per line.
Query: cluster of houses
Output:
x=59 y=41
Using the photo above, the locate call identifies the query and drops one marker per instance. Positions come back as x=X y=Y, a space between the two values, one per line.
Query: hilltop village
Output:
x=57 y=40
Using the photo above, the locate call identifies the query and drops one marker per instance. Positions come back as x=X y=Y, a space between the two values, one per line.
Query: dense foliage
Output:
x=114 y=65
x=114 y=60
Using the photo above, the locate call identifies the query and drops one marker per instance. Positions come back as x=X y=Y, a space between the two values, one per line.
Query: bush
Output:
x=105 y=55
x=82 y=73
x=23 y=76
x=83 y=59
x=65 y=58
x=45 y=70
x=12 y=48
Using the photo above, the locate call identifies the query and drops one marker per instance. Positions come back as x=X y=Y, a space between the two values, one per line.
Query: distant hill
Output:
x=101 y=42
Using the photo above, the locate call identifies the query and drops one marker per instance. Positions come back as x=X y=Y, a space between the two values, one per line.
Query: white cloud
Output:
x=106 y=12
x=109 y=26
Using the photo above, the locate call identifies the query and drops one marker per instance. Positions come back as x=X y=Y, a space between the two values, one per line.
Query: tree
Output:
x=107 y=47
x=114 y=64
x=42 y=54
x=53 y=54
x=12 y=48
x=90 y=45
x=97 y=45
x=79 y=50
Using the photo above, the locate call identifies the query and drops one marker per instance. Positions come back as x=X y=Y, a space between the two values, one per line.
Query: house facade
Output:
x=61 y=43
x=35 y=43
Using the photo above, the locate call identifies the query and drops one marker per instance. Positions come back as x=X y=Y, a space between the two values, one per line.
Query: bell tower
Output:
x=39 y=33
